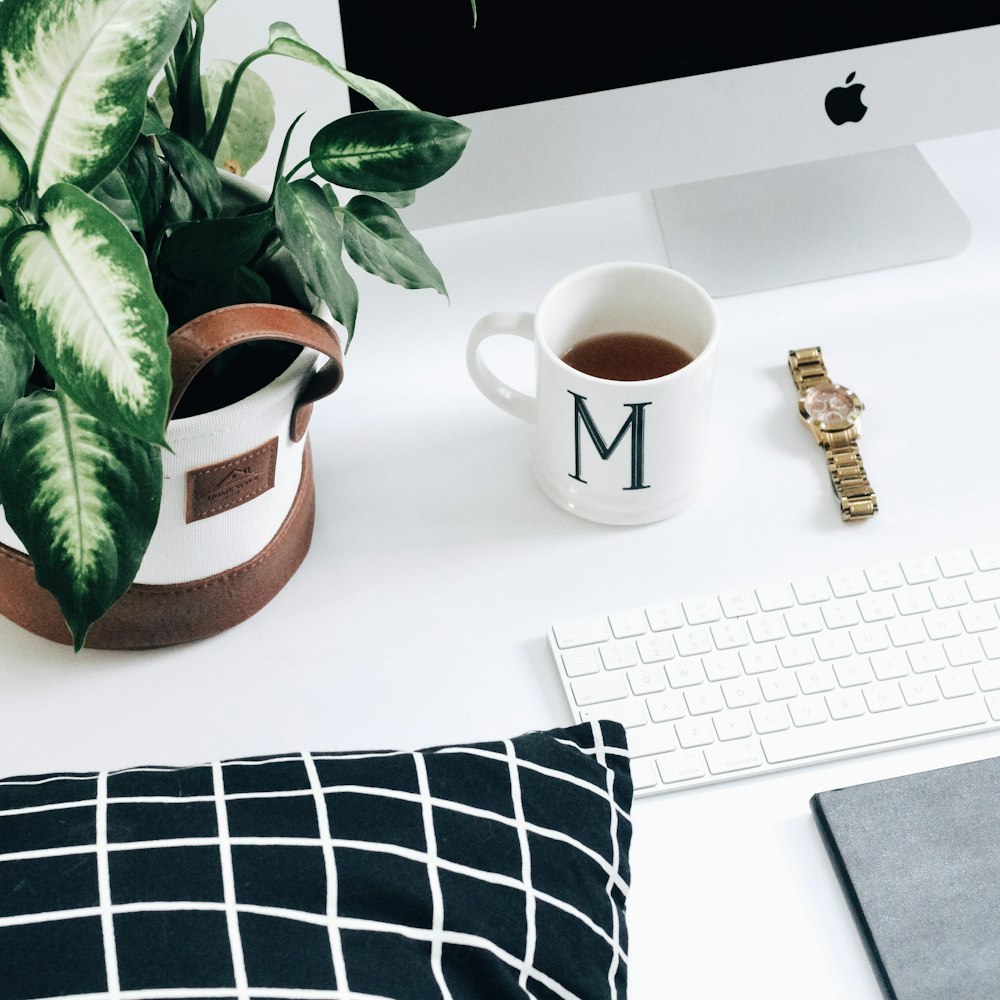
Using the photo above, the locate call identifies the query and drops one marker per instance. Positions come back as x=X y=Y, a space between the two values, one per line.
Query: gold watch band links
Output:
x=843 y=458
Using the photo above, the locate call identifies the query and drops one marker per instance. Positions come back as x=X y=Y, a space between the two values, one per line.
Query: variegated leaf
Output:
x=83 y=499
x=314 y=237
x=387 y=150
x=16 y=361
x=81 y=290
x=377 y=239
x=73 y=80
x=284 y=40
x=13 y=171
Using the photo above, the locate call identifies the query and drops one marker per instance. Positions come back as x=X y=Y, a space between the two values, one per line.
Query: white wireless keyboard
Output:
x=736 y=684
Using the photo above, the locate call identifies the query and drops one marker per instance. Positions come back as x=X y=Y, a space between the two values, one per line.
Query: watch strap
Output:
x=807 y=367
x=847 y=472
x=850 y=482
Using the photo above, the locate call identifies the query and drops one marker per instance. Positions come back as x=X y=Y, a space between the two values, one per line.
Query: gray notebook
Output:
x=919 y=860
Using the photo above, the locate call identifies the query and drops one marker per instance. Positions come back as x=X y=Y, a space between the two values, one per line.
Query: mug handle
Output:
x=517 y=324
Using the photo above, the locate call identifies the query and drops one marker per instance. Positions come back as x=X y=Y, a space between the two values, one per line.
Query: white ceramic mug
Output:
x=619 y=452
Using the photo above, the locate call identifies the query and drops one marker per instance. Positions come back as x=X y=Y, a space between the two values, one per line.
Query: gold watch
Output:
x=831 y=413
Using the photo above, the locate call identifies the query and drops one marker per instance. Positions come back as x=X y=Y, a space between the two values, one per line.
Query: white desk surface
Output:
x=420 y=613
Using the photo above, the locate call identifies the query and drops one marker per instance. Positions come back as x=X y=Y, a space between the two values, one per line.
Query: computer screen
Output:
x=777 y=145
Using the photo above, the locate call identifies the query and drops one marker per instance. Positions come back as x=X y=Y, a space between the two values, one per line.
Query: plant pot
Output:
x=238 y=504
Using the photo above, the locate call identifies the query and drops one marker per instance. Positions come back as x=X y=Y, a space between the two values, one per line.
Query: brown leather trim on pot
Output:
x=149 y=615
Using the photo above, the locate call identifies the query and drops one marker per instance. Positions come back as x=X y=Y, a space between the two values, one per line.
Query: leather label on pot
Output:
x=213 y=489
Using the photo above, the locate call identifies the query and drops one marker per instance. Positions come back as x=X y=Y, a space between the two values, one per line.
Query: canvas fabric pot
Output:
x=237 y=512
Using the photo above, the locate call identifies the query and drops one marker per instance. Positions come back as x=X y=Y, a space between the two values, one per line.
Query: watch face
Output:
x=830 y=404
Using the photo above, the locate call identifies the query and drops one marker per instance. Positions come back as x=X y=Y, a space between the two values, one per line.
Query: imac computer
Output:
x=777 y=143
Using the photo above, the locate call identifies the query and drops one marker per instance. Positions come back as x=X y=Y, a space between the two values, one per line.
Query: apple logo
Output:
x=843 y=104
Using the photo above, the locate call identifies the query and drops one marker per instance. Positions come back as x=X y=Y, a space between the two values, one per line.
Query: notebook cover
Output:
x=919 y=859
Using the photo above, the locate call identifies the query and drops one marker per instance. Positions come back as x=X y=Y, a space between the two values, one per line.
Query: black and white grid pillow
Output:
x=490 y=871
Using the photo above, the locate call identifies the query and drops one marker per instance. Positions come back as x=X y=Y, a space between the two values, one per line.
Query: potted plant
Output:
x=117 y=233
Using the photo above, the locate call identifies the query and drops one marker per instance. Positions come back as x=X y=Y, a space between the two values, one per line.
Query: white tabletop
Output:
x=420 y=613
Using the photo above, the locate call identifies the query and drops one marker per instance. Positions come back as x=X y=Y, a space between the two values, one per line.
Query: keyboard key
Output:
x=841 y=614
x=770 y=718
x=985 y=587
x=877 y=607
x=870 y=638
x=653 y=648
x=943 y=624
x=890 y=665
x=795 y=652
x=580 y=632
x=963 y=651
x=600 y=687
x=651 y=739
x=759 y=660
x=987 y=557
x=693 y=642
x=812 y=590
x=580 y=662
x=741 y=693
x=703 y=700
x=803 y=621
x=775 y=598
x=956 y=563
x=629 y=713
x=680 y=767
x=913 y=600
x=816 y=679
x=808 y=712
x=722 y=666
x=685 y=673
x=647 y=680
x=873 y=730
x=728 y=757
x=885 y=577
x=921 y=570
x=919 y=690
x=845 y=704
x=778 y=686
x=729 y=635
x=666 y=707
x=627 y=624
x=850 y=583
x=695 y=733
x=739 y=604
x=957 y=683
x=618 y=655
x=764 y=628
x=702 y=610
x=733 y=725
x=882 y=697
x=949 y=593
x=644 y=774
x=663 y=617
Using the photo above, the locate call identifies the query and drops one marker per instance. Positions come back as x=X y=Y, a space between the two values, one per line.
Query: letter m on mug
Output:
x=634 y=425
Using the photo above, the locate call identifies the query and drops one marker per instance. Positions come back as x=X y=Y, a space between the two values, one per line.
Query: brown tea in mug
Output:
x=626 y=357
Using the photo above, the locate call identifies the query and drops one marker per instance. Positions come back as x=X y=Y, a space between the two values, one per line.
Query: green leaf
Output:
x=378 y=241
x=83 y=498
x=251 y=118
x=13 y=171
x=387 y=150
x=74 y=77
x=152 y=122
x=215 y=246
x=113 y=192
x=284 y=40
x=187 y=299
x=81 y=291
x=197 y=187
x=143 y=171
x=16 y=361
x=9 y=221
x=312 y=234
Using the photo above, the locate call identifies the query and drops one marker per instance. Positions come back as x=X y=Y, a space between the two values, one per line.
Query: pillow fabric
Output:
x=491 y=870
